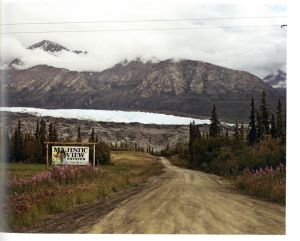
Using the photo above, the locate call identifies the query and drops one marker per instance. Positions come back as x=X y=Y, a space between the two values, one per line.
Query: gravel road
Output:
x=191 y=202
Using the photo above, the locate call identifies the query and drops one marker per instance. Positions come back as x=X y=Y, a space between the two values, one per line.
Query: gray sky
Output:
x=257 y=50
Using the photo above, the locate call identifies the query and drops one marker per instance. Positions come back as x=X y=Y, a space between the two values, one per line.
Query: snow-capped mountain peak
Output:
x=276 y=79
x=48 y=46
x=52 y=47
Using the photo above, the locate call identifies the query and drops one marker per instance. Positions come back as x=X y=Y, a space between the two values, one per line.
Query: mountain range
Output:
x=184 y=87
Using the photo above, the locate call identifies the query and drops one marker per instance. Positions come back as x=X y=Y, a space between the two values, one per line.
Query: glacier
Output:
x=116 y=116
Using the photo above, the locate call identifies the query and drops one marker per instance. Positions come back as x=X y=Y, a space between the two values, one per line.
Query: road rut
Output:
x=192 y=202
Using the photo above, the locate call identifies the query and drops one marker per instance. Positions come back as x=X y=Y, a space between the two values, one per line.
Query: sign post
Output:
x=47 y=156
x=94 y=155
x=70 y=153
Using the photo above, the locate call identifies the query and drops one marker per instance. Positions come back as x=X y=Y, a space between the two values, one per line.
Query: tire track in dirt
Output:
x=187 y=201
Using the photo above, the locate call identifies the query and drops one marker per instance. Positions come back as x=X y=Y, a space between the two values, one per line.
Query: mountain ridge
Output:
x=185 y=87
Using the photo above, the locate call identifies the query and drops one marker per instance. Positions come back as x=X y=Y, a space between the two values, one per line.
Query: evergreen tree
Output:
x=37 y=131
x=135 y=146
x=55 y=135
x=18 y=143
x=264 y=114
x=192 y=138
x=50 y=132
x=93 y=138
x=279 y=122
x=214 y=128
x=79 y=134
x=236 y=134
x=273 y=130
x=252 y=137
x=43 y=131
x=260 y=127
x=242 y=133
x=38 y=147
x=227 y=134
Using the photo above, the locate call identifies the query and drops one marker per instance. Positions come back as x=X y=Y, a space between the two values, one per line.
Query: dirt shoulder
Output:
x=177 y=201
x=80 y=218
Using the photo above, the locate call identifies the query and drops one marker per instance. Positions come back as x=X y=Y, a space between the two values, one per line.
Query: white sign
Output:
x=70 y=155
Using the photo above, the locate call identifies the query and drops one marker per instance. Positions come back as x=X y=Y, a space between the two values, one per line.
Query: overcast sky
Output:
x=258 y=50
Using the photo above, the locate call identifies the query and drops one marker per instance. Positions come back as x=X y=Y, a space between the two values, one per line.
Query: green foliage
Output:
x=264 y=113
x=214 y=128
x=102 y=154
x=252 y=137
x=30 y=148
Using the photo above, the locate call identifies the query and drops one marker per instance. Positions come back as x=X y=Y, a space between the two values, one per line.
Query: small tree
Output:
x=226 y=134
x=55 y=135
x=273 y=130
x=252 y=136
x=260 y=127
x=242 y=133
x=18 y=143
x=79 y=134
x=264 y=114
x=214 y=128
x=236 y=134
x=279 y=123
x=92 y=136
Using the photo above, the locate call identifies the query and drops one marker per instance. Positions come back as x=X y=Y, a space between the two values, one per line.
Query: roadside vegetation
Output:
x=34 y=193
x=254 y=159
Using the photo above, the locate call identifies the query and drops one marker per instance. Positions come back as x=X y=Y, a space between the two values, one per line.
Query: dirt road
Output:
x=192 y=202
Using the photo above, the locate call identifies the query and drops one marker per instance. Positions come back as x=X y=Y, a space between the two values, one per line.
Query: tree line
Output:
x=229 y=151
x=30 y=146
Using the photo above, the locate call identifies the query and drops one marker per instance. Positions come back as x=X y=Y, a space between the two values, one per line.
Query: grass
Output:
x=24 y=169
x=28 y=207
x=267 y=183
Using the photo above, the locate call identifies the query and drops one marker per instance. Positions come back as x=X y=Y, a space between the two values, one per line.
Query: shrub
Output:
x=59 y=174
x=267 y=183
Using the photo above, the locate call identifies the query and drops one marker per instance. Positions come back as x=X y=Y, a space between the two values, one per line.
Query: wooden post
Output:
x=47 y=154
x=94 y=156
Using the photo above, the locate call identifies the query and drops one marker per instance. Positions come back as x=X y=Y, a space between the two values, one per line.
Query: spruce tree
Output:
x=191 y=140
x=43 y=131
x=227 y=134
x=264 y=114
x=55 y=135
x=252 y=136
x=260 y=127
x=38 y=147
x=79 y=134
x=18 y=143
x=50 y=132
x=214 y=128
x=242 y=133
x=37 y=131
x=93 y=138
x=273 y=130
x=236 y=134
x=279 y=122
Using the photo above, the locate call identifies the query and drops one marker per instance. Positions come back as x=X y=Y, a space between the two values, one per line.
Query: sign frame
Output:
x=69 y=143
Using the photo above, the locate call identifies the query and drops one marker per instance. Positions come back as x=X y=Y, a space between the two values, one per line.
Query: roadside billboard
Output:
x=70 y=155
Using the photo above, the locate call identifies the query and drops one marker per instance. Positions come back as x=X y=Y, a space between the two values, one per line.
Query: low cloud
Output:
x=258 y=50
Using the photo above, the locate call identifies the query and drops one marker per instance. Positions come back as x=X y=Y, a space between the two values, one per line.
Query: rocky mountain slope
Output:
x=156 y=136
x=277 y=80
x=184 y=87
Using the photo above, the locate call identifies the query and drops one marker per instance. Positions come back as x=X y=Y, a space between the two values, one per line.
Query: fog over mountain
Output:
x=258 y=50
x=185 y=87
